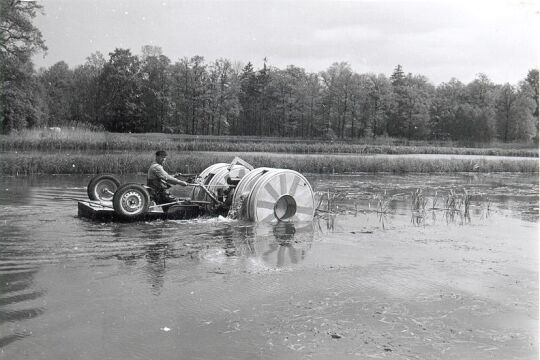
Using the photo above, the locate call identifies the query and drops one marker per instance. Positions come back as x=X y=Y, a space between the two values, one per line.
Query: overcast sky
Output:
x=439 y=39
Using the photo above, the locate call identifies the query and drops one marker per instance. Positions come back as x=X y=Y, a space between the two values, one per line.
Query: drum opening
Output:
x=285 y=207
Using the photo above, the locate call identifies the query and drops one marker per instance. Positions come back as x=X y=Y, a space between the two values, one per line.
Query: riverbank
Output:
x=86 y=140
x=20 y=164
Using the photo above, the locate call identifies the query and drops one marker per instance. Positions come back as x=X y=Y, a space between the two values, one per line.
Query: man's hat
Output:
x=161 y=153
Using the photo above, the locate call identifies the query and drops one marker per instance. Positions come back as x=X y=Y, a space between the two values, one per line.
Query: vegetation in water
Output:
x=455 y=206
x=194 y=162
x=84 y=138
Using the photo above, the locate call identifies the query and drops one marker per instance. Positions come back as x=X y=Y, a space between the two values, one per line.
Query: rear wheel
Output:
x=131 y=201
x=102 y=187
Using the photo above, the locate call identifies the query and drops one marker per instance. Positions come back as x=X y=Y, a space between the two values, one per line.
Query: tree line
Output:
x=126 y=92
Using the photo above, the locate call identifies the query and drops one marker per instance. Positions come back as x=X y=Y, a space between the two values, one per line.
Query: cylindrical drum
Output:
x=214 y=178
x=275 y=195
x=245 y=186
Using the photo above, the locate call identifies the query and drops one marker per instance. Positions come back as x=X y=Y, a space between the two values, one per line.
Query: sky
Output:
x=438 y=39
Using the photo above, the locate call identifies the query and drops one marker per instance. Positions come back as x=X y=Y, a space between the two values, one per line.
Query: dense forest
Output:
x=147 y=92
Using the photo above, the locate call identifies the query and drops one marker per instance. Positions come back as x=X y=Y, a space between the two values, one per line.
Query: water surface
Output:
x=368 y=278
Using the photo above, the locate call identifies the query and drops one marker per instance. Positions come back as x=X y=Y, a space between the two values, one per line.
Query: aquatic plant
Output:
x=455 y=204
x=130 y=162
x=84 y=138
x=418 y=207
x=383 y=207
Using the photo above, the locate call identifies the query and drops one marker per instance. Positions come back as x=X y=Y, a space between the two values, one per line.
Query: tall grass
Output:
x=134 y=162
x=82 y=139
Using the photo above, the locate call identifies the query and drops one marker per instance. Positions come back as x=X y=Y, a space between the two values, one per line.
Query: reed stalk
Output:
x=16 y=163
x=83 y=139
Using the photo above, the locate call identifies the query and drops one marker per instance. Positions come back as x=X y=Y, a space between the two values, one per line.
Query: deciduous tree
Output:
x=19 y=39
x=120 y=99
x=58 y=84
x=155 y=89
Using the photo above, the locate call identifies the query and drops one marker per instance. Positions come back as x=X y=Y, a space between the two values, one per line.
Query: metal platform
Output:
x=104 y=211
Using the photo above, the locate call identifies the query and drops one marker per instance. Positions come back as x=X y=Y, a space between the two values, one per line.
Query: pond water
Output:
x=369 y=278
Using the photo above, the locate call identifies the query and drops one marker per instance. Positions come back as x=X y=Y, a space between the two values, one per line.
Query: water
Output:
x=354 y=283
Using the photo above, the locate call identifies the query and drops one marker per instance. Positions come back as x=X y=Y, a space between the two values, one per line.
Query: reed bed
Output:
x=80 y=139
x=193 y=162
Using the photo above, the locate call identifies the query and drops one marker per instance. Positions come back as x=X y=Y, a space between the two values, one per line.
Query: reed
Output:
x=16 y=163
x=83 y=139
x=418 y=207
x=455 y=205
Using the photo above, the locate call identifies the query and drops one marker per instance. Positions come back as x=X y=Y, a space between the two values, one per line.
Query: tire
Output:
x=131 y=201
x=102 y=187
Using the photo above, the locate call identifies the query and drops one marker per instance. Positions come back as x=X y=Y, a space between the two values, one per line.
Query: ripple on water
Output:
x=20 y=300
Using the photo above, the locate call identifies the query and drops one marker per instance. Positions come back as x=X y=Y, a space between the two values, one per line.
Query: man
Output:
x=159 y=180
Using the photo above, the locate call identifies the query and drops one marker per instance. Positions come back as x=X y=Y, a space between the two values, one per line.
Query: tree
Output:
x=58 y=84
x=302 y=91
x=359 y=106
x=249 y=95
x=120 y=84
x=155 y=68
x=447 y=99
x=409 y=111
x=20 y=105
x=532 y=80
x=86 y=90
x=397 y=112
x=18 y=36
x=526 y=123
x=514 y=112
x=337 y=82
x=189 y=89
x=419 y=96
x=223 y=96
x=398 y=76
x=505 y=106
x=479 y=95
x=198 y=95
x=379 y=91
x=313 y=91
x=21 y=96
x=279 y=98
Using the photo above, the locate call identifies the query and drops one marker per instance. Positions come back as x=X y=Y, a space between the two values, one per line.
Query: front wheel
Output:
x=102 y=187
x=131 y=201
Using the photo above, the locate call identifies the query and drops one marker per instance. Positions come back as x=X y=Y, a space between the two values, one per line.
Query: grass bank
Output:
x=87 y=140
x=132 y=162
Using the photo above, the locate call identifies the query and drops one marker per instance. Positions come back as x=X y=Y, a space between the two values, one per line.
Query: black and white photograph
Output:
x=269 y=179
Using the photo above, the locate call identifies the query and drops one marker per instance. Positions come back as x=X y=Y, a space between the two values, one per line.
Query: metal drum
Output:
x=246 y=184
x=275 y=195
x=214 y=178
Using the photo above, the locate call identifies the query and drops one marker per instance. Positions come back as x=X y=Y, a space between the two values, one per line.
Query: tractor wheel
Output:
x=102 y=187
x=131 y=201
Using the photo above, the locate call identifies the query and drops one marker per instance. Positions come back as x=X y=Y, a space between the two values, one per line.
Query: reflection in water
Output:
x=273 y=244
x=284 y=243
x=156 y=256
x=281 y=244
x=222 y=244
